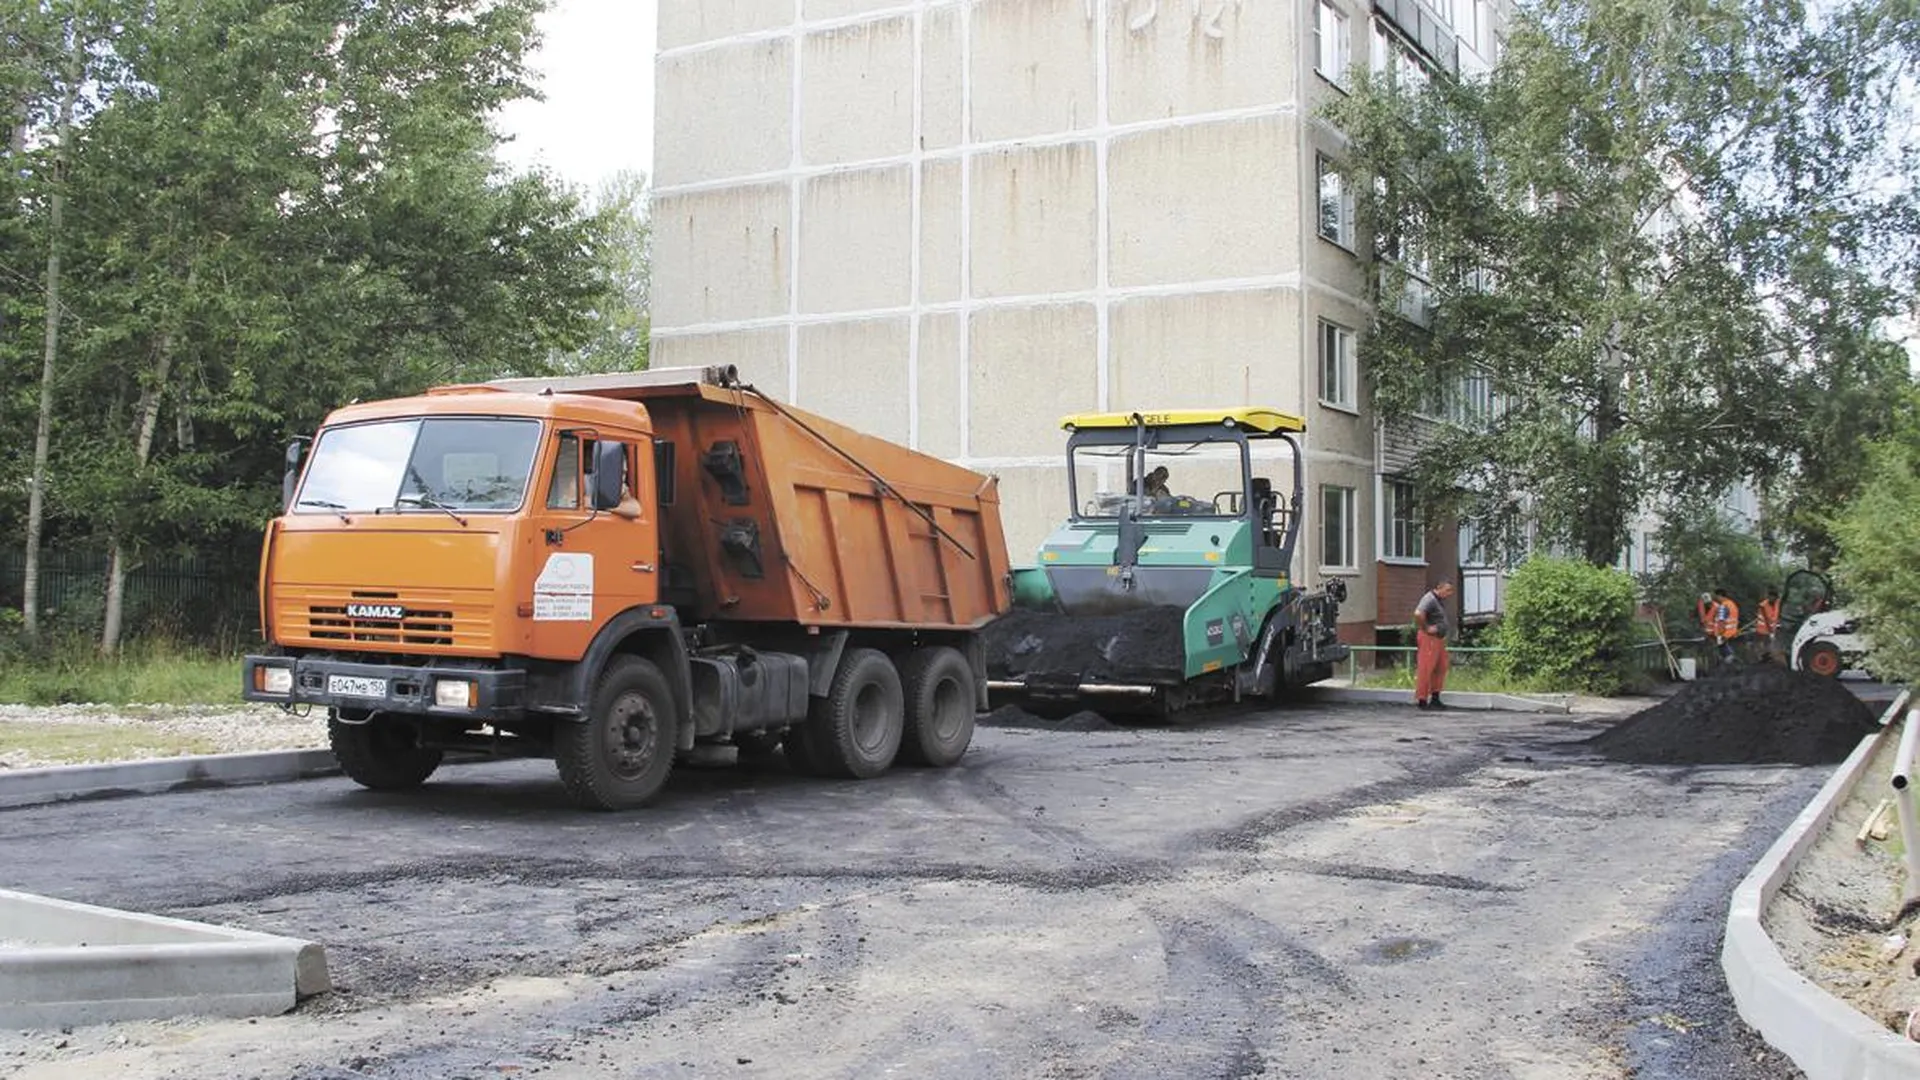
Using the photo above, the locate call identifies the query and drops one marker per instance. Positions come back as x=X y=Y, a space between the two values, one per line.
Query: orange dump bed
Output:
x=776 y=514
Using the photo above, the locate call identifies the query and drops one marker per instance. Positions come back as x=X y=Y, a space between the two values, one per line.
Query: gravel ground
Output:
x=232 y=729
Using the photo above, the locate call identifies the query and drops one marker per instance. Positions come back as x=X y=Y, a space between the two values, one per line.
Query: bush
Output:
x=1570 y=624
x=1878 y=534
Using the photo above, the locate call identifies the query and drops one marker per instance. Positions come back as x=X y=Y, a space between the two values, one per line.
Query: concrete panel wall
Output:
x=1031 y=365
x=1033 y=68
x=724 y=255
x=856 y=101
x=1174 y=60
x=856 y=373
x=1208 y=290
x=690 y=22
x=941 y=234
x=1205 y=349
x=942 y=384
x=1204 y=202
x=942 y=79
x=1033 y=220
x=729 y=111
x=856 y=240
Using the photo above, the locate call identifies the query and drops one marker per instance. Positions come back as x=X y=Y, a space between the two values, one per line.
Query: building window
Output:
x=1405 y=534
x=1336 y=205
x=1337 y=368
x=1337 y=528
x=1332 y=49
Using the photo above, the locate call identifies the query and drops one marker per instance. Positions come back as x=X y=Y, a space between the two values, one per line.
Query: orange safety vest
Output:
x=1726 y=620
x=1769 y=618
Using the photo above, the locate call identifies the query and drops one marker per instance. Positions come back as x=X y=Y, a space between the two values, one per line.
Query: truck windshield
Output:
x=428 y=465
x=1193 y=479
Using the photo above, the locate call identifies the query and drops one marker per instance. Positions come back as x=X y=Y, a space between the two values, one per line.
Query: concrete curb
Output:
x=1827 y=1038
x=61 y=783
x=94 y=965
x=1551 y=703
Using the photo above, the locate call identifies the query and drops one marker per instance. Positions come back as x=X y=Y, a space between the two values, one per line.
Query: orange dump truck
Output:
x=616 y=570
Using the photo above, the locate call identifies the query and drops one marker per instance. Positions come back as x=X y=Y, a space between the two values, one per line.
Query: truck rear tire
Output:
x=854 y=731
x=619 y=755
x=380 y=754
x=938 y=683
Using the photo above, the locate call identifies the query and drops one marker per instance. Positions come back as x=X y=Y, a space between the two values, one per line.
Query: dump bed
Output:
x=773 y=514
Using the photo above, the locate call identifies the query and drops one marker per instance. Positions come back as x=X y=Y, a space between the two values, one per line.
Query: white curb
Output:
x=1827 y=1038
x=60 y=783
x=1554 y=703
x=92 y=965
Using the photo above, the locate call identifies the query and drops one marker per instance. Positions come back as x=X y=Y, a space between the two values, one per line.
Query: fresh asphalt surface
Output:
x=1338 y=891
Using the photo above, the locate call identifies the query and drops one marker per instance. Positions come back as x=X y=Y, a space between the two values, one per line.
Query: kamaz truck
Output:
x=1171 y=583
x=616 y=571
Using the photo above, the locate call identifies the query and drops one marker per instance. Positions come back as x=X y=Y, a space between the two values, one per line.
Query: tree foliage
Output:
x=273 y=208
x=1569 y=623
x=1667 y=232
x=620 y=338
x=1701 y=550
x=1878 y=538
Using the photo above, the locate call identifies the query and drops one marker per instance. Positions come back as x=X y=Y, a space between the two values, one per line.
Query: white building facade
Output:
x=952 y=222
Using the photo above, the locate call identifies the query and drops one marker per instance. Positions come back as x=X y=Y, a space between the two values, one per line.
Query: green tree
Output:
x=290 y=206
x=1659 y=229
x=620 y=342
x=1701 y=550
x=1878 y=536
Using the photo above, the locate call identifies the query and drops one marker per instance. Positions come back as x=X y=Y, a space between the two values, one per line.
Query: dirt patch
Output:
x=1138 y=646
x=1751 y=716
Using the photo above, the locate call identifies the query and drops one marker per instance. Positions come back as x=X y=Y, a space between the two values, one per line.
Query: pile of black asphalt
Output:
x=1763 y=714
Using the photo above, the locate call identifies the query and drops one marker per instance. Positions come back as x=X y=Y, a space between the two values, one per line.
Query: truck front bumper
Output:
x=477 y=693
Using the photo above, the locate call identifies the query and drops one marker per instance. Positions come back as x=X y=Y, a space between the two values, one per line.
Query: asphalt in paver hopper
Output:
x=1156 y=595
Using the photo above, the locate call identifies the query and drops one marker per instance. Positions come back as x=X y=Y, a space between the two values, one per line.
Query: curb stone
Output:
x=64 y=783
x=83 y=964
x=1827 y=1038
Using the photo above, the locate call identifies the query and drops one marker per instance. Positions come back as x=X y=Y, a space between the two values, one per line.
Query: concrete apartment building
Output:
x=952 y=222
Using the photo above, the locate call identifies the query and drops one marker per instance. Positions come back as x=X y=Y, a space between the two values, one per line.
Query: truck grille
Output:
x=435 y=619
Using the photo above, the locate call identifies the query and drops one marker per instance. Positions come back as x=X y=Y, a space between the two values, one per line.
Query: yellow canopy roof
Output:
x=1253 y=417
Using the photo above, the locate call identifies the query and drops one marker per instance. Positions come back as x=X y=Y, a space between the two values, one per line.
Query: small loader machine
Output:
x=1170 y=584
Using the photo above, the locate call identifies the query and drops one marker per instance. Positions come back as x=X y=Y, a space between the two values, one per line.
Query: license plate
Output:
x=355 y=686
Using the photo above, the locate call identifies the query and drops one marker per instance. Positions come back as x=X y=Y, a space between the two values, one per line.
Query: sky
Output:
x=595 y=67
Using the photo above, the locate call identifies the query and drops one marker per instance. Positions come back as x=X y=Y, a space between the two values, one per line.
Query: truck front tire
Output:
x=854 y=731
x=380 y=754
x=618 y=757
x=939 y=718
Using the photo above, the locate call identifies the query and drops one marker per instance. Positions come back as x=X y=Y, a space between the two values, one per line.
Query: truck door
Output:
x=591 y=564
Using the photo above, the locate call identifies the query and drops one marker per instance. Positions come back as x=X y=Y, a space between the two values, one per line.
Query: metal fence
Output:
x=188 y=598
x=1649 y=657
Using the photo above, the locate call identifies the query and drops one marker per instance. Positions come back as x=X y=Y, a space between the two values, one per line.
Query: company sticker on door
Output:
x=564 y=590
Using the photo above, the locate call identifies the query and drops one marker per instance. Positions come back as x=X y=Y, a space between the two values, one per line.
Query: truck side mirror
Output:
x=609 y=474
x=290 y=477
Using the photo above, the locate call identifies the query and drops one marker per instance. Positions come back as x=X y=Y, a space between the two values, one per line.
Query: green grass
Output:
x=146 y=674
x=1462 y=677
x=74 y=743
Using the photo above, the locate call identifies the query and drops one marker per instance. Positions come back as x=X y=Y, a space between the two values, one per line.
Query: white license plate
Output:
x=355 y=686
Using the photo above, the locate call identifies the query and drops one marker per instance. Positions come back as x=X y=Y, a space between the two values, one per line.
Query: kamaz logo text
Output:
x=376 y=611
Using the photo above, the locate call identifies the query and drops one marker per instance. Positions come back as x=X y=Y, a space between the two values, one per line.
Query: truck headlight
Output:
x=453 y=694
x=273 y=680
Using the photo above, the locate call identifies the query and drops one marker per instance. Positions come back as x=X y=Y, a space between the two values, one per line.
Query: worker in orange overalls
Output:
x=1722 y=621
x=1767 y=623
x=1431 y=630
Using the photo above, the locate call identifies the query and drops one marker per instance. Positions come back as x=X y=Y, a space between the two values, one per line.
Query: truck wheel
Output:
x=939 y=721
x=855 y=730
x=619 y=756
x=380 y=754
x=1822 y=659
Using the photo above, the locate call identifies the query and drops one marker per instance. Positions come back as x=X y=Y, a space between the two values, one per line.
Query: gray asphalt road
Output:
x=1341 y=892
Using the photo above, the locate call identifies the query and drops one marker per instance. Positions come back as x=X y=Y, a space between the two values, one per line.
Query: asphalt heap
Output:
x=1140 y=644
x=1757 y=715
